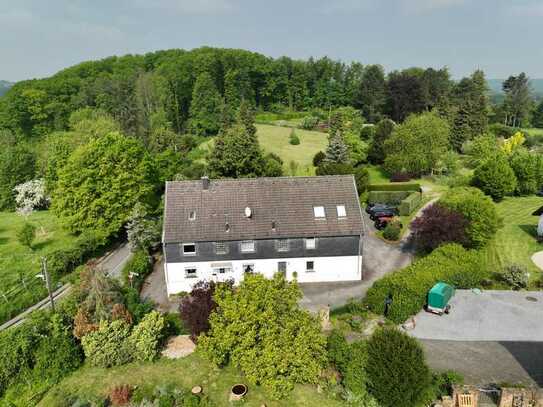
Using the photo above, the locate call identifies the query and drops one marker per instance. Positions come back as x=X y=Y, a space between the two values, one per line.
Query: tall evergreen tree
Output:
x=383 y=130
x=337 y=151
x=518 y=100
x=461 y=130
x=205 y=108
x=537 y=118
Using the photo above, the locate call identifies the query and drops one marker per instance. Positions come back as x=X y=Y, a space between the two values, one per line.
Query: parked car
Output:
x=381 y=223
x=383 y=213
x=379 y=207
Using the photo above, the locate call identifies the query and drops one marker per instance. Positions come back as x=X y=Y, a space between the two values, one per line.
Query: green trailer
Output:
x=439 y=297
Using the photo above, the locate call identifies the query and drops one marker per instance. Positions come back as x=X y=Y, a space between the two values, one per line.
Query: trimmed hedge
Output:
x=387 y=197
x=409 y=287
x=395 y=187
x=410 y=203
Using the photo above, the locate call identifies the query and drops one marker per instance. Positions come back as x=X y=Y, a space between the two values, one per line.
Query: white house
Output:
x=309 y=228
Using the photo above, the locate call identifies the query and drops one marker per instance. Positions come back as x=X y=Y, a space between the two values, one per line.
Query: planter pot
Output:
x=238 y=391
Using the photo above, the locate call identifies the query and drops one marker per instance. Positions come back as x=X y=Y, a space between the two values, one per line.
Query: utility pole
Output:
x=47 y=279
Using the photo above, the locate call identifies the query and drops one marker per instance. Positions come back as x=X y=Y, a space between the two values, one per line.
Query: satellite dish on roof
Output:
x=248 y=212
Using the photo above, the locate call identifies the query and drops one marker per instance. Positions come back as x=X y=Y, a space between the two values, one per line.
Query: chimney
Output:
x=205 y=182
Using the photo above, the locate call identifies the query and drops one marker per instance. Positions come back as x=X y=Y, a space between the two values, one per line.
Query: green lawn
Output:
x=188 y=372
x=19 y=265
x=516 y=241
x=274 y=139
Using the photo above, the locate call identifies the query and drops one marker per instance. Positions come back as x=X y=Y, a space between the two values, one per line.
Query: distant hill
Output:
x=4 y=86
x=495 y=86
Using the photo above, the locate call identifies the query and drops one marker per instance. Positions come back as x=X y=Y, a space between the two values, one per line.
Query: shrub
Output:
x=392 y=231
x=400 y=177
x=272 y=167
x=478 y=209
x=31 y=196
x=318 y=158
x=309 y=122
x=196 y=307
x=443 y=383
x=107 y=346
x=438 y=225
x=329 y=168
x=147 y=336
x=409 y=287
x=354 y=374
x=362 y=179
x=501 y=130
x=120 y=395
x=119 y=311
x=137 y=306
x=338 y=350
x=137 y=268
x=26 y=234
x=293 y=138
x=260 y=328
x=396 y=369
x=495 y=178
x=516 y=275
x=410 y=203
x=524 y=165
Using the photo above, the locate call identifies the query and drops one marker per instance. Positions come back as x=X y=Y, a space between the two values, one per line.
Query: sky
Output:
x=502 y=37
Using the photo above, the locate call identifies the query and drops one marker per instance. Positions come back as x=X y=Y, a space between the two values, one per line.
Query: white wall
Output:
x=327 y=269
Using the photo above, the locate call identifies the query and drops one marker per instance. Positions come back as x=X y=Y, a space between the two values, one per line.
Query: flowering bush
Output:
x=31 y=196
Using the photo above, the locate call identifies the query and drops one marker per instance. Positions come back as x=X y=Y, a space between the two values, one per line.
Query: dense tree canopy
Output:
x=417 y=145
x=102 y=182
x=260 y=329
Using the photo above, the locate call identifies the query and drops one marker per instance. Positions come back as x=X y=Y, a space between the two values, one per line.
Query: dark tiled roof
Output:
x=286 y=202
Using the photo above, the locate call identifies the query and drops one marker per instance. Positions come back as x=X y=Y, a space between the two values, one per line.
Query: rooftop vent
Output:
x=227 y=227
x=274 y=226
x=248 y=212
x=205 y=182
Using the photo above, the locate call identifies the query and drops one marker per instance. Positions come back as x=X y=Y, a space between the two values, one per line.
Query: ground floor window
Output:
x=309 y=266
x=248 y=268
x=222 y=270
x=282 y=267
x=190 y=272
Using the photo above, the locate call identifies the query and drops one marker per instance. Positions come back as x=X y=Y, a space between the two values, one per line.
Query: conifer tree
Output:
x=205 y=108
x=461 y=130
x=337 y=151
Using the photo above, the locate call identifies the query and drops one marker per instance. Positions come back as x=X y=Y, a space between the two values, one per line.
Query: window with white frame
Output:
x=310 y=243
x=282 y=245
x=309 y=266
x=222 y=270
x=341 y=212
x=318 y=211
x=248 y=268
x=189 y=249
x=221 y=248
x=247 y=246
x=190 y=272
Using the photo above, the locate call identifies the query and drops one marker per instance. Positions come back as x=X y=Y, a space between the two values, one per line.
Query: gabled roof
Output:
x=280 y=207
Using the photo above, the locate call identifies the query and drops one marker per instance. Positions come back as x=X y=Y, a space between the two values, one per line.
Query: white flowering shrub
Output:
x=31 y=196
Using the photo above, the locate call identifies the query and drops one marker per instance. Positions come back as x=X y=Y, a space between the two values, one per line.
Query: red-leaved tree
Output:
x=438 y=225
x=196 y=307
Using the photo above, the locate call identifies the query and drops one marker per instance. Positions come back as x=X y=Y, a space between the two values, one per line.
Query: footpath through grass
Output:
x=19 y=287
x=187 y=373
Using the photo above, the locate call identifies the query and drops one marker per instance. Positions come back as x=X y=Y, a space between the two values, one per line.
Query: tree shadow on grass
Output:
x=3 y=240
x=42 y=244
x=530 y=230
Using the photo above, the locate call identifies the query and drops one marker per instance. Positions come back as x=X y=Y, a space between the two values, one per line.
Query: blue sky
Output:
x=39 y=37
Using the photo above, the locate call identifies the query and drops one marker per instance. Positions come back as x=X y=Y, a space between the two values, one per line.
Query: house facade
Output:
x=309 y=228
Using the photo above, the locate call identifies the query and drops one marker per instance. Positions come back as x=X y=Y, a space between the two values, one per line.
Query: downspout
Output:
x=360 y=236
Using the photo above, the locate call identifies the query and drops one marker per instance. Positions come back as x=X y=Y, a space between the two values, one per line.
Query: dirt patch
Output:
x=178 y=347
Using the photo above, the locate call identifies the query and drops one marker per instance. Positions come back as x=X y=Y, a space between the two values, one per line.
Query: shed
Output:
x=439 y=296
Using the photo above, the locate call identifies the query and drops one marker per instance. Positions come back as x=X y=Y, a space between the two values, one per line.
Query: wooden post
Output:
x=47 y=279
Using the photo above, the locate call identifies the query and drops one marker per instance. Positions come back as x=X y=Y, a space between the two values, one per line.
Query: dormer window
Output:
x=282 y=245
x=341 y=212
x=318 y=211
x=189 y=249
x=192 y=215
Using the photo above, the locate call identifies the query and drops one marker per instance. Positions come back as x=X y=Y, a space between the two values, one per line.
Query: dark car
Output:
x=383 y=213
x=377 y=207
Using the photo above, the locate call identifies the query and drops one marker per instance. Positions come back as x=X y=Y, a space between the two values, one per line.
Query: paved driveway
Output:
x=489 y=316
